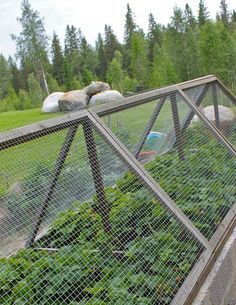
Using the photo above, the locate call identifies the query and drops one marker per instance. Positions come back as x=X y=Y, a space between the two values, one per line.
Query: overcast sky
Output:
x=91 y=16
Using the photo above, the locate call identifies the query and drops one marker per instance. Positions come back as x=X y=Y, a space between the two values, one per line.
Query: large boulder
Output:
x=105 y=97
x=50 y=104
x=96 y=87
x=226 y=116
x=73 y=100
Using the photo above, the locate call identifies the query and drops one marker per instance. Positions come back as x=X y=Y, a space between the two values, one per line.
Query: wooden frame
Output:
x=215 y=103
x=91 y=119
x=149 y=126
x=177 y=128
x=55 y=175
x=152 y=185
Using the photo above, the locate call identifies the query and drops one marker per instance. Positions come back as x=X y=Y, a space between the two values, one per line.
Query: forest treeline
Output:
x=188 y=47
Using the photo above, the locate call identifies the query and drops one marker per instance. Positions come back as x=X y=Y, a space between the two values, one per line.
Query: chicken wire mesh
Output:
x=194 y=168
x=115 y=244
x=96 y=232
x=218 y=108
x=26 y=169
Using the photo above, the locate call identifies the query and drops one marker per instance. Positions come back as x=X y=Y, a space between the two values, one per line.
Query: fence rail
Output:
x=90 y=158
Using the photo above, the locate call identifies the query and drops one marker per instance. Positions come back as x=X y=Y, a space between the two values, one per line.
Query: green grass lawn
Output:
x=19 y=161
x=15 y=119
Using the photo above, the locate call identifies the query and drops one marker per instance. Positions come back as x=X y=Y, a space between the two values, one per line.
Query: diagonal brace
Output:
x=149 y=126
x=144 y=176
x=55 y=175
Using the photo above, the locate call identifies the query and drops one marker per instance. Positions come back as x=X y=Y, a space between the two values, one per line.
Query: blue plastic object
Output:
x=155 y=140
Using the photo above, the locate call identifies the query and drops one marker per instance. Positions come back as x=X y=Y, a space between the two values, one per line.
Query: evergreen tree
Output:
x=190 y=21
x=190 y=42
x=32 y=42
x=203 y=14
x=57 y=60
x=16 y=75
x=154 y=36
x=130 y=26
x=5 y=77
x=129 y=30
x=71 y=51
x=87 y=62
x=72 y=41
x=233 y=17
x=178 y=20
x=224 y=12
x=102 y=60
x=111 y=43
x=139 y=58
x=175 y=43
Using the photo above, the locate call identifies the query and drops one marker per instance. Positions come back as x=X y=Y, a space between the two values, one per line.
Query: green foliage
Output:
x=5 y=77
x=111 y=43
x=154 y=36
x=203 y=14
x=10 y=102
x=163 y=71
x=188 y=47
x=139 y=58
x=24 y=100
x=115 y=73
x=224 y=12
x=32 y=42
x=52 y=84
x=214 y=56
x=130 y=26
x=35 y=91
x=57 y=60
x=146 y=256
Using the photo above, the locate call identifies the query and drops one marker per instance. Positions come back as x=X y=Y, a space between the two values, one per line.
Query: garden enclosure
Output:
x=106 y=214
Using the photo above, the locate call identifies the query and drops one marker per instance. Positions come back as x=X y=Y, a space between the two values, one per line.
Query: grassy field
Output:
x=19 y=161
x=14 y=119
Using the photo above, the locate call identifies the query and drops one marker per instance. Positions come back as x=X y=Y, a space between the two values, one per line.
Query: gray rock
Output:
x=50 y=104
x=105 y=97
x=73 y=100
x=226 y=115
x=96 y=87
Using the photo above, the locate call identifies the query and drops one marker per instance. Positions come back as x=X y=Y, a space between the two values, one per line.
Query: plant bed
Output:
x=145 y=257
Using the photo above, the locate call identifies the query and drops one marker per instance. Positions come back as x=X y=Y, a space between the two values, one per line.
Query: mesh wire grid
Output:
x=117 y=247
x=216 y=103
x=104 y=237
x=188 y=162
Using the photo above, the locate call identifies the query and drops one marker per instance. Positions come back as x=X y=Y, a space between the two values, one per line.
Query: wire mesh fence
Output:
x=116 y=210
x=192 y=166
x=219 y=107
